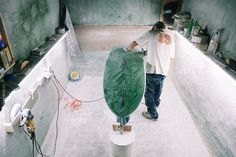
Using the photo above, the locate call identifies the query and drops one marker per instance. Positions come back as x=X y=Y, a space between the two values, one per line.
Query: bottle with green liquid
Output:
x=190 y=26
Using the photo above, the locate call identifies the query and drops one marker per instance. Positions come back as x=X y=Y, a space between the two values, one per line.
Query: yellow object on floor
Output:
x=74 y=76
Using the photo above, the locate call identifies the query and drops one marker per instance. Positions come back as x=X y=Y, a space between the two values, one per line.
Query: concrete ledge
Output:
x=44 y=109
x=209 y=93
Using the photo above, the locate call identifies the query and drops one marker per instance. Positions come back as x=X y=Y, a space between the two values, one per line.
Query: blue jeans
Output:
x=154 y=84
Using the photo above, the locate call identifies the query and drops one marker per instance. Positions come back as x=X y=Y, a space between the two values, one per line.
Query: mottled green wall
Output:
x=217 y=14
x=28 y=22
x=114 y=12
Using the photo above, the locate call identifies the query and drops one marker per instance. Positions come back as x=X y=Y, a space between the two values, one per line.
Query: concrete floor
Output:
x=85 y=133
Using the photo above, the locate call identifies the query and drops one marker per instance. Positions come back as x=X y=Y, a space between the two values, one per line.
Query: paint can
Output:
x=74 y=76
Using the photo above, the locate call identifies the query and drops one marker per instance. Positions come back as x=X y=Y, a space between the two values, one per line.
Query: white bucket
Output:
x=122 y=144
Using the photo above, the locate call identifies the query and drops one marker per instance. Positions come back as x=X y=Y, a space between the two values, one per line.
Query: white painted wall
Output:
x=209 y=93
x=17 y=143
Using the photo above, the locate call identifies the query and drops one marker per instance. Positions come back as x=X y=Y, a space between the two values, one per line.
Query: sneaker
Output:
x=149 y=116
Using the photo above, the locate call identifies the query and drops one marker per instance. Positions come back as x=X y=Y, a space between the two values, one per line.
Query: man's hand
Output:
x=132 y=45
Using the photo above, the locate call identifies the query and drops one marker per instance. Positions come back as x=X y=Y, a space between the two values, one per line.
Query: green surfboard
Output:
x=124 y=81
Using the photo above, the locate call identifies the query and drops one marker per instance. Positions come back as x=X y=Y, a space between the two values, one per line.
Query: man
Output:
x=160 y=49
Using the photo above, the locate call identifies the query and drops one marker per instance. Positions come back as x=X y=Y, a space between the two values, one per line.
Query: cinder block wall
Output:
x=114 y=12
x=28 y=23
x=216 y=14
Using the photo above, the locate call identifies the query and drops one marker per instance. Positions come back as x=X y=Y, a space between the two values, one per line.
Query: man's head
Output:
x=159 y=26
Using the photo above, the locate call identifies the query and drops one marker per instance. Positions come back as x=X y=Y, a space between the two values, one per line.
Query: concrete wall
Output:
x=45 y=106
x=28 y=23
x=216 y=14
x=209 y=93
x=114 y=12
x=109 y=36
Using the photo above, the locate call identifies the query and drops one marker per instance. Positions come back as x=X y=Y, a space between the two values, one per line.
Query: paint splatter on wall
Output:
x=28 y=23
x=114 y=12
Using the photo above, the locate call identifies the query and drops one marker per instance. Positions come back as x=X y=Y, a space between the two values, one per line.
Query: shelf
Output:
x=6 y=56
x=2 y=74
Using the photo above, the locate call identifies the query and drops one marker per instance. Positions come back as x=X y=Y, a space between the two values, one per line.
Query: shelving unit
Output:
x=6 y=58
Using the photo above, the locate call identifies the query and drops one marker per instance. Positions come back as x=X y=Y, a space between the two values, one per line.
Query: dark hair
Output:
x=160 y=25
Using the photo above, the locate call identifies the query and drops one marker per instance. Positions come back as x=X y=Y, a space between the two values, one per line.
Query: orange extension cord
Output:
x=68 y=99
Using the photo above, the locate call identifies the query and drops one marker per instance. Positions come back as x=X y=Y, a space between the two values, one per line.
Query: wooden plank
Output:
x=5 y=37
x=8 y=53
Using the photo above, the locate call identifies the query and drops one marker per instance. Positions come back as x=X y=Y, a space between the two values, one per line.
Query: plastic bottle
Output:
x=213 y=45
x=195 y=29
x=2 y=45
x=190 y=26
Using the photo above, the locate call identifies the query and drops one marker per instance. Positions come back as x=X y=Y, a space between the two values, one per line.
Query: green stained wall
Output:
x=114 y=12
x=28 y=22
x=216 y=14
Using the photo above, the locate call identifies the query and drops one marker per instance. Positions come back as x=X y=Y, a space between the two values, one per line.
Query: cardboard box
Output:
x=200 y=39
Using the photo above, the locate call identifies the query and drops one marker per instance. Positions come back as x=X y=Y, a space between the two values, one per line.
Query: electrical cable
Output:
x=36 y=144
x=31 y=139
x=75 y=104
x=57 y=118
x=25 y=132
x=32 y=148
x=38 y=148
x=84 y=101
